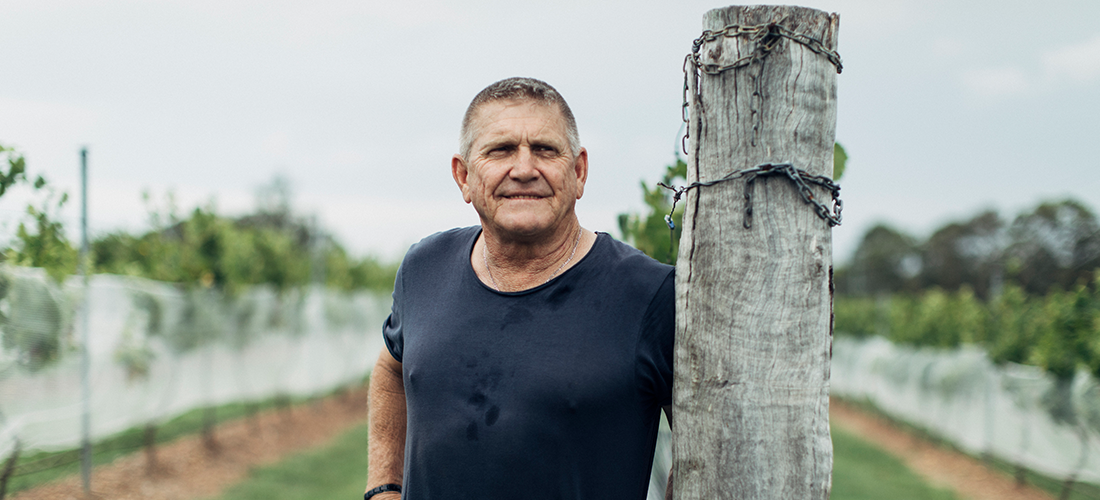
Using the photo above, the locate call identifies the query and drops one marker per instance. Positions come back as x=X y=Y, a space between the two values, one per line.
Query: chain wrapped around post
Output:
x=799 y=177
x=767 y=37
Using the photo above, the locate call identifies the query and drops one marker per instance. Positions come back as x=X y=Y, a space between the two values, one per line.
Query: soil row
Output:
x=939 y=466
x=189 y=468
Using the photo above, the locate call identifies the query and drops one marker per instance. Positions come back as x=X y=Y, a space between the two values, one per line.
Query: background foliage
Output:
x=212 y=257
x=272 y=245
x=651 y=234
x=1026 y=289
x=40 y=239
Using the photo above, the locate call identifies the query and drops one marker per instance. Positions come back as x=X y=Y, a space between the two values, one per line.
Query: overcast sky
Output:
x=945 y=107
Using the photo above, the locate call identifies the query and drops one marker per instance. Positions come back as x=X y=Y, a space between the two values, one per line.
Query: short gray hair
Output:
x=518 y=89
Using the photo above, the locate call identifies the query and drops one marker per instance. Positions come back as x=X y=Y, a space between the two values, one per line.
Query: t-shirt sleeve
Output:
x=655 y=344
x=392 y=333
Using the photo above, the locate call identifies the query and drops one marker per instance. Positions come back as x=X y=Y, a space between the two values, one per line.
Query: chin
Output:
x=522 y=221
x=522 y=229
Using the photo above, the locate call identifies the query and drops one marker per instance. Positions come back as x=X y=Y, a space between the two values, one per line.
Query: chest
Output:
x=552 y=356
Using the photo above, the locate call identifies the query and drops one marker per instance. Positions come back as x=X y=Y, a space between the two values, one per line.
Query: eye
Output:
x=499 y=151
x=545 y=150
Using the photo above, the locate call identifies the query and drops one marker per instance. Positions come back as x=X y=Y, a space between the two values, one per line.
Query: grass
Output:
x=42 y=467
x=1052 y=486
x=863 y=471
x=338 y=470
x=1079 y=491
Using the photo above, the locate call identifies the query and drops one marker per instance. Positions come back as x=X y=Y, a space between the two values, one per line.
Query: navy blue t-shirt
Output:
x=549 y=393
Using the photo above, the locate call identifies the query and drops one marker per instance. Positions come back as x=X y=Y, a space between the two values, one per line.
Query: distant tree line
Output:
x=1058 y=331
x=271 y=246
x=1026 y=289
x=1056 y=245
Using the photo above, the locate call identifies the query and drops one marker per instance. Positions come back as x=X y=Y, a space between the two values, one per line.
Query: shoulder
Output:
x=628 y=264
x=443 y=243
x=629 y=259
x=441 y=254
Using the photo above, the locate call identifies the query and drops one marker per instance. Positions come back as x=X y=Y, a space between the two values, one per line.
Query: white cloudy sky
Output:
x=946 y=107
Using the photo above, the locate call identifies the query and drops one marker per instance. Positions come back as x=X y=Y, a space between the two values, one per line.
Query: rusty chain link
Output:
x=799 y=177
x=767 y=37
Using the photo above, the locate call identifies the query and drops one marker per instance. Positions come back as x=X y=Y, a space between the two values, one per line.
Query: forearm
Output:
x=386 y=449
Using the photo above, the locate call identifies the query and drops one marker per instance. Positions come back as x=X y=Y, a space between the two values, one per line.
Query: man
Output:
x=527 y=358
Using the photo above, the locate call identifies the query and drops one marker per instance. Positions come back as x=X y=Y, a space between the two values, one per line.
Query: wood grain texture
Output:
x=754 y=306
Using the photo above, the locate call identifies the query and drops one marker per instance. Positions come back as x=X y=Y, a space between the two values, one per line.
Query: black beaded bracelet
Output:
x=382 y=489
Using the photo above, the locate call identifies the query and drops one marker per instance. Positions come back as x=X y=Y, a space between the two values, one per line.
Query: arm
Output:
x=668 y=488
x=386 y=449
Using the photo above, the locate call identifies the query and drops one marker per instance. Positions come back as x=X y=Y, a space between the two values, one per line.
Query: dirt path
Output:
x=941 y=467
x=186 y=470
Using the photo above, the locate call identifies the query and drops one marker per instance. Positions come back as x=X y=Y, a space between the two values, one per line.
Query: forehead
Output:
x=516 y=120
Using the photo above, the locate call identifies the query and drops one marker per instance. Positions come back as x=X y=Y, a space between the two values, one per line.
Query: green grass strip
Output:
x=863 y=471
x=337 y=470
x=860 y=471
x=39 y=468
x=1051 y=485
x=1055 y=487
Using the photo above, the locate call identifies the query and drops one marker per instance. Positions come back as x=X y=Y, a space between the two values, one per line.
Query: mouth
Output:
x=523 y=196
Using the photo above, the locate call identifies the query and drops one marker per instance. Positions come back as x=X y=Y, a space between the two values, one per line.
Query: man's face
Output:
x=521 y=176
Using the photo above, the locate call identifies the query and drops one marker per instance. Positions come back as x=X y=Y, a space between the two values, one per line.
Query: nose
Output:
x=524 y=169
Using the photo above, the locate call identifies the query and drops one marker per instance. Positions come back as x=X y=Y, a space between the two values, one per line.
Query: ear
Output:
x=580 y=167
x=461 y=172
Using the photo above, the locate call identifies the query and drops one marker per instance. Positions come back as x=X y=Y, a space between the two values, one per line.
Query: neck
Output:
x=513 y=266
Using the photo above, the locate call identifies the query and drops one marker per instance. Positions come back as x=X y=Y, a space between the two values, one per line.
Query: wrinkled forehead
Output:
x=518 y=117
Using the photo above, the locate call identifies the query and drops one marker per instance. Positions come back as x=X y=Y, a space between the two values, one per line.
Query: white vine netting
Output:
x=1019 y=414
x=158 y=351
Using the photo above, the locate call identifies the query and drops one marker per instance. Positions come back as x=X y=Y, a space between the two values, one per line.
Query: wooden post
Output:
x=754 y=304
x=150 y=442
x=9 y=469
x=209 y=423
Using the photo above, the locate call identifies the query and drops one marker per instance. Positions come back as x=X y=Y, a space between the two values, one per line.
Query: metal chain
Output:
x=801 y=179
x=756 y=102
x=767 y=36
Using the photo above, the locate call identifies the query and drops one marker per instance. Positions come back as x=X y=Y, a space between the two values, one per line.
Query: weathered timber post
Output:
x=9 y=469
x=754 y=277
x=150 y=442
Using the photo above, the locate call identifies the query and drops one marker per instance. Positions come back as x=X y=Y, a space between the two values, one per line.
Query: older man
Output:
x=527 y=358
